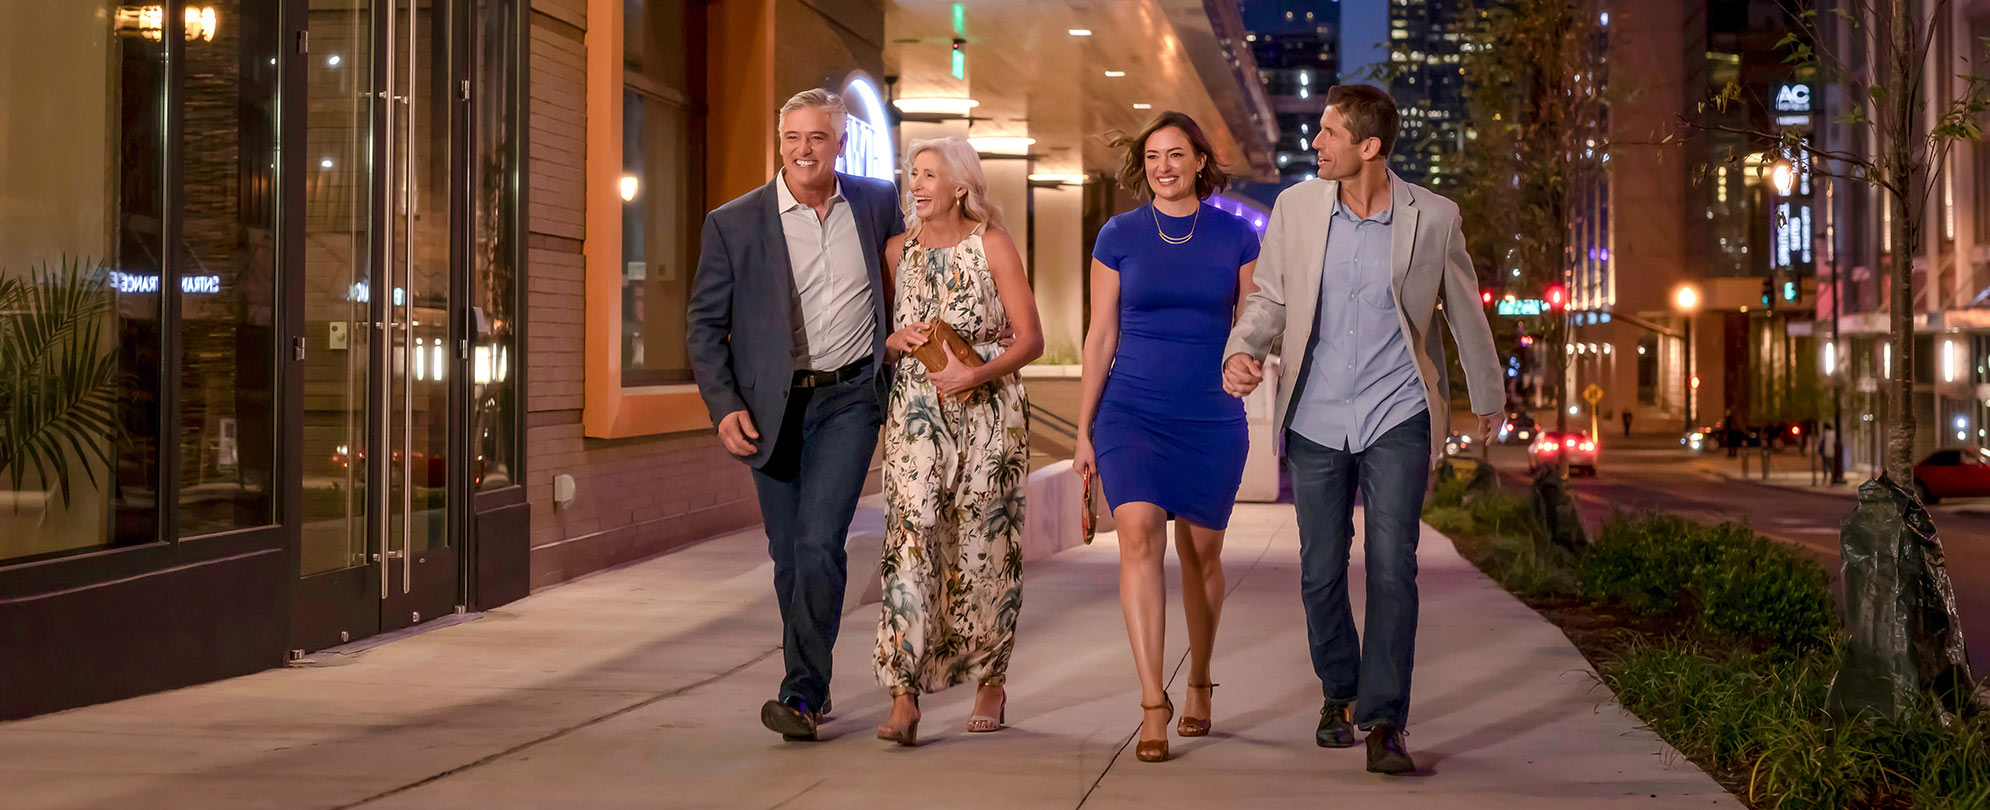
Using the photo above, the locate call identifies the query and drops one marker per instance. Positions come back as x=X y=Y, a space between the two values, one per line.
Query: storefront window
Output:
x=227 y=259
x=662 y=186
x=81 y=236
x=494 y=273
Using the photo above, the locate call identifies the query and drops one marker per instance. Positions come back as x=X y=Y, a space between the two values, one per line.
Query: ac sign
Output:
x=1793 y=98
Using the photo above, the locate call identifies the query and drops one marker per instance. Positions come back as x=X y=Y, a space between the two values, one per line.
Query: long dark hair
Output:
x=1133 y=172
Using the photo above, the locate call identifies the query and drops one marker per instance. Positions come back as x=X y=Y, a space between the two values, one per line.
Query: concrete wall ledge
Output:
x=1044 y=371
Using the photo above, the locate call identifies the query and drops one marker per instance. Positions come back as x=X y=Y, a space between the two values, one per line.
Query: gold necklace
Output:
x=1175 y=240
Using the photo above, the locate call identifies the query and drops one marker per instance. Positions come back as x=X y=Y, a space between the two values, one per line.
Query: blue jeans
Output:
x=1391 y=475
x=808 y=493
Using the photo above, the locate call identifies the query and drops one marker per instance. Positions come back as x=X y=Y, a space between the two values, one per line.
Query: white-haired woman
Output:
x=956 y=445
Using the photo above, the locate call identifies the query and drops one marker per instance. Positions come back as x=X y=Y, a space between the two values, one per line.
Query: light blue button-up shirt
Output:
x=1360 y=379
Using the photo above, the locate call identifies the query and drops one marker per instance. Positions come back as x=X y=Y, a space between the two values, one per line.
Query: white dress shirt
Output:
x=836 y=315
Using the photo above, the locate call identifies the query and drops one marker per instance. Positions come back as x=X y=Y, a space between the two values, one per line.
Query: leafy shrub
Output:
x=1761 y=589
x=1762 y=716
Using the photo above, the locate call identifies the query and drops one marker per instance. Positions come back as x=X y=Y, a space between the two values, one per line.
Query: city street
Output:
x=1652 y=471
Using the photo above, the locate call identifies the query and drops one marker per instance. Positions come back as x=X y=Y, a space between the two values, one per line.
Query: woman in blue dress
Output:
x=1154 y=421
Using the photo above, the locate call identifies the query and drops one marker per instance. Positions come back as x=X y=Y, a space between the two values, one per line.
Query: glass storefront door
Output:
x=384 y=477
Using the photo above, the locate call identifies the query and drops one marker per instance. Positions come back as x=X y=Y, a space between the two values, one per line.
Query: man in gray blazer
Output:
x=787 y=328
x=1353 y=269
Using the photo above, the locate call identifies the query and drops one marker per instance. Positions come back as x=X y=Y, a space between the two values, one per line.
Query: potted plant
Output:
x=59 y=383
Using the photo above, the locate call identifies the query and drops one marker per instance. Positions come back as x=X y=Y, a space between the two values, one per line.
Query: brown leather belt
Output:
x=820 y=379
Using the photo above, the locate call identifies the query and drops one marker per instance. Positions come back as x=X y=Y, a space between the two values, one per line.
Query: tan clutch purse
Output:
x=943 y=341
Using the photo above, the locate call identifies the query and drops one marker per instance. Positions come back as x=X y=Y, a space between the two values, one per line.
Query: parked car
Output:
x=1963 y=473
x=1701 y=440
x=1578 y=447
x=1458 y=444
x=1519 y=428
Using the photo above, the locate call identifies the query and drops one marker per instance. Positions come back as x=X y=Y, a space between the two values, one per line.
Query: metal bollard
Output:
x=1765 y=461
x=1744 y=463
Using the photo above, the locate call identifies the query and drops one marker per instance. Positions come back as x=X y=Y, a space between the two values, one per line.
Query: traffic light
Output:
x=1790 y=291
x=1485 y=297
x=1768 y=291
x=1556 y=296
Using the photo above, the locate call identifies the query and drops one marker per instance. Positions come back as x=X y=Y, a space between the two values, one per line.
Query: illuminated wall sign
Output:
x=1792 y=98
x=1521 y=308
x=132 y=283
x=867 y=149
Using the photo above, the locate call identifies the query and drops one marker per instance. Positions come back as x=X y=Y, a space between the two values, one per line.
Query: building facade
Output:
x=1297 y=49
x=373 y=313
x=1856 y=257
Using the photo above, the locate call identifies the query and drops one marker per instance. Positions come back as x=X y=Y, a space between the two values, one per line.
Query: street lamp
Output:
x=1687 y=301
x=1784 y=176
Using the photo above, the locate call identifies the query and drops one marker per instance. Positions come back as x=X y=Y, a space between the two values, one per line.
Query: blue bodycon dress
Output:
x=1165 y=432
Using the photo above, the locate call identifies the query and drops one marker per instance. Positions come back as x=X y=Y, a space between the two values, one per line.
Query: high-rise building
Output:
x=1297 y=47
x=1428 y=83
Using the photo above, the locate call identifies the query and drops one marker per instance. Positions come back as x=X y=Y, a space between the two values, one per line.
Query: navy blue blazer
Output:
x=741 y=324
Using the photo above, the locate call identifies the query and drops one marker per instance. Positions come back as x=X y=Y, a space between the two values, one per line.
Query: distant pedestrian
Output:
x=1627 y=423
x=1827 y=446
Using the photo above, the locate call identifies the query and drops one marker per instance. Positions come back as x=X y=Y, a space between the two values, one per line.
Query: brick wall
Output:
x=634 y=497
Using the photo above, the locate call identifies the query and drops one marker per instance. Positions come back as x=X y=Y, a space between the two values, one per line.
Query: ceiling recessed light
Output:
x=1081 y=32
x=1142 y=105
x=325 y=164
x=1058 y=177
x=936 y=106
x=1002 y=145
x=1114 y=74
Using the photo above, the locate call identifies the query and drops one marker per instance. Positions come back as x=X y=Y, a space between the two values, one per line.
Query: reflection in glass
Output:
x=337 y=327
x=662 y=185
x=226 y=261
x=419 y=254
x=83 y=121
x=494 y=177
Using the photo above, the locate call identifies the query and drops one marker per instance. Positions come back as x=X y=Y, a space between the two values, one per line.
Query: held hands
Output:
x=906 y=341
x=737 y=433
x=956 y=379
x=1241 y=375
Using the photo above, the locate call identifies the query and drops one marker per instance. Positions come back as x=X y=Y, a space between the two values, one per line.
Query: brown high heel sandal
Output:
x=909 y=735
x=1154 y=750
x=1197 y=726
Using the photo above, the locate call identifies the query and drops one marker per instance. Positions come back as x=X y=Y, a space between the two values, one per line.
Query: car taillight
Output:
x=1588 y=446
x=1568 y=444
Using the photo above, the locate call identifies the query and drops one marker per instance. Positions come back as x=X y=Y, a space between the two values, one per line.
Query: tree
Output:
x=1904 y=636
x=1536 y=103
x=1883 y=80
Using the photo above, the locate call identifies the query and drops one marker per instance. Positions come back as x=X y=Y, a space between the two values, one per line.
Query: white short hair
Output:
x=821 y=99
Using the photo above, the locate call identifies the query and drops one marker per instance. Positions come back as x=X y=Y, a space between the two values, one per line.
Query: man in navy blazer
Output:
x=787 y=325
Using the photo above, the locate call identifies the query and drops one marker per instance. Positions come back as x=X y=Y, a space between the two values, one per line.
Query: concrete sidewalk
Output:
x=640 y=687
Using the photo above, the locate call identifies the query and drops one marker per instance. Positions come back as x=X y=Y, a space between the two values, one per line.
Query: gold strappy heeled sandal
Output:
x=909 y=735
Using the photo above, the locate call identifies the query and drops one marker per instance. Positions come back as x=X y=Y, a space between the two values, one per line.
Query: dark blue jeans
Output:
x=1391 y=475
x=808 y=493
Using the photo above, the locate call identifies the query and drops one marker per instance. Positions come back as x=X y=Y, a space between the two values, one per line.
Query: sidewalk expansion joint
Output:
x=549 y=737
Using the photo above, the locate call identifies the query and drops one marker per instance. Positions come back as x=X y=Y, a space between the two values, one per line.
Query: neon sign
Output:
x=135 y=284
x=867 y=147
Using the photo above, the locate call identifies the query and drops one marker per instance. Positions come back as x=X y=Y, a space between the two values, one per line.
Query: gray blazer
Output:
x=1429 y=265
x=741 y=320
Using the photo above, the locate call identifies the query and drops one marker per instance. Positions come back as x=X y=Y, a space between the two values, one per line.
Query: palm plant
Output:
x=59 y=376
